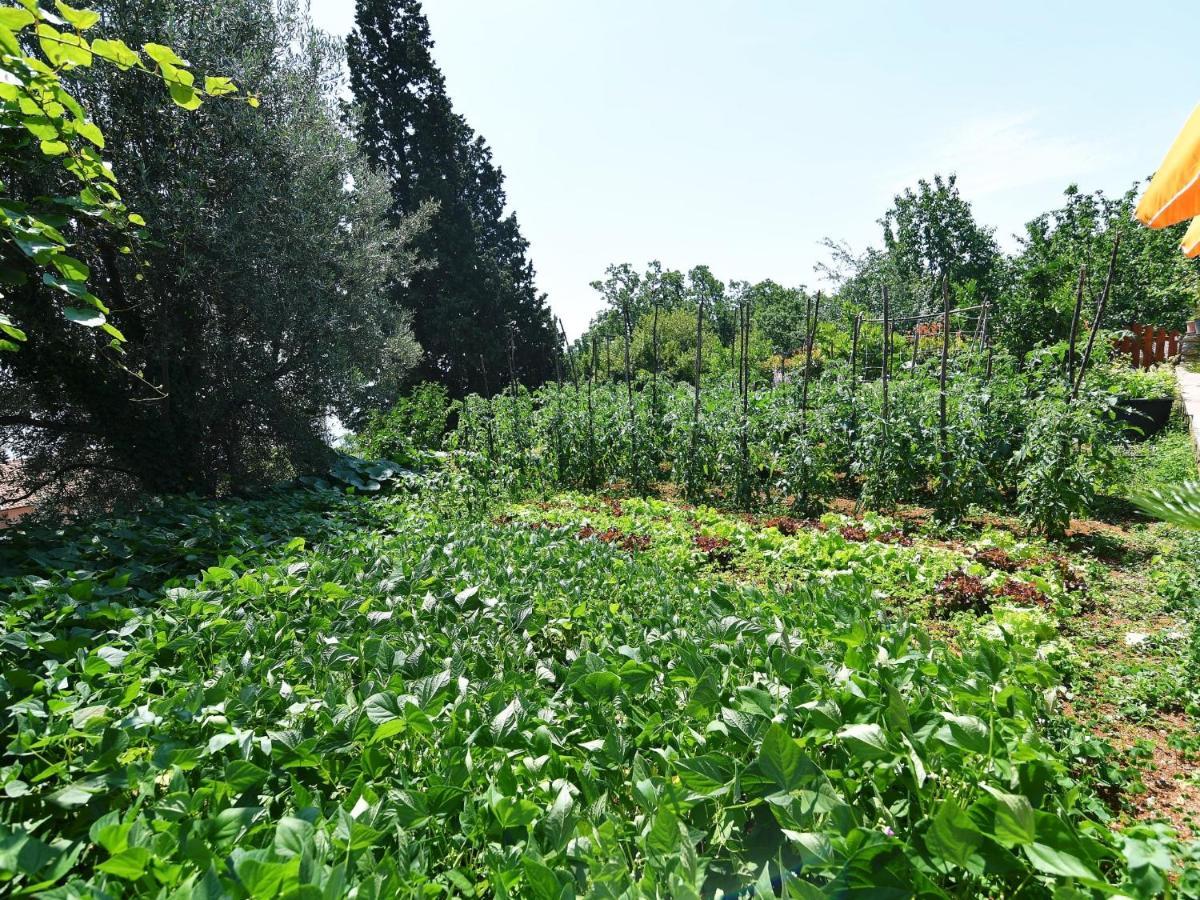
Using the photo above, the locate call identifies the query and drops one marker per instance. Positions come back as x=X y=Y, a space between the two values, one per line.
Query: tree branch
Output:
x=59 y=473
x=48 y=425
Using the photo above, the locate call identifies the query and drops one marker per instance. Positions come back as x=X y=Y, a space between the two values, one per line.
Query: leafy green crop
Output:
x=315 y=693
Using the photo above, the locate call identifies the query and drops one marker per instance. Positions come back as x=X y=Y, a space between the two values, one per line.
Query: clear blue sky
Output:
x=739 y=134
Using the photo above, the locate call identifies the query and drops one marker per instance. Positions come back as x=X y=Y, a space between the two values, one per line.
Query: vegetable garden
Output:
x=466 y=682
x=910 y=612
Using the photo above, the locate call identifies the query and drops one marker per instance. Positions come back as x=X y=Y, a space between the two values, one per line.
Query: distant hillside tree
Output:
x=931 y=232
x=477 y=310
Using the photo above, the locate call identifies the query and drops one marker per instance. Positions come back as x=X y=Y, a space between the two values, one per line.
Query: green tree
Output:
x=931 y=232
x=256 y=306
x=780 y=313
x=477 y=311
x=677 y=345
x=1153 y=283
x=47 y=135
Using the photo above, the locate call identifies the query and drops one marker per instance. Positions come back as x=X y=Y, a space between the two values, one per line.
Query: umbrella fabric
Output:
x=1174 y=192
x=1191 y=239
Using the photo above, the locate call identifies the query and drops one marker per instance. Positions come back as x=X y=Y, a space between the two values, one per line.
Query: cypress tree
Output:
x=478 y=288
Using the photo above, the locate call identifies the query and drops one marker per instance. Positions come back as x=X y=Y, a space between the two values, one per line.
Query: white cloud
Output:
x=1007 y=151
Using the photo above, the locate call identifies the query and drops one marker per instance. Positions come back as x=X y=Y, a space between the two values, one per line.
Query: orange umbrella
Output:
x=1174 y=192
x=1191 y=239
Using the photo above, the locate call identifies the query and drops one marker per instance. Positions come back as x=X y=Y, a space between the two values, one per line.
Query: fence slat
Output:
x=1145 y=345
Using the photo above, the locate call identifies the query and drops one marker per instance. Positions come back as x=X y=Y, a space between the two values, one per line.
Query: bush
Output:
x=415 y=424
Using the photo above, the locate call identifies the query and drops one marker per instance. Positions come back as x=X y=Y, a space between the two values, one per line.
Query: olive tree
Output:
x=257 y=303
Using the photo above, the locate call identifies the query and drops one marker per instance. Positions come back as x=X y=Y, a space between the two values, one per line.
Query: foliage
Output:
x=994 y=445
x=499 y=709
x=1179 y=504
x=1126 y=381
x=1153 y=283
x=416 y=422
x=672 y=297
x=1062 y=457
x=477 y=312
x=48 y=132
x=931 y=233
x=256 y=306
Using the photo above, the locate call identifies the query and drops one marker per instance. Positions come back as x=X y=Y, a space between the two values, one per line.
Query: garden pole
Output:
x=807 y=326
x=1075 y=324
x=696 y=396
x=1087 y=353
x=490 y=416
x=592 y=417
x=916 y=343
x=558 y=416
x=855 y=327
x=570 y=358
x=518 y=426
x=884 y=368
x=988 y=338
x=810 y=339
x=943 y=450
x=635 y=468
x=744 y=372
x=654 y=363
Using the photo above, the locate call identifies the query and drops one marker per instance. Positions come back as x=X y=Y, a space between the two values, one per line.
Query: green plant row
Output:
x=315 y=695
x=1010 y=436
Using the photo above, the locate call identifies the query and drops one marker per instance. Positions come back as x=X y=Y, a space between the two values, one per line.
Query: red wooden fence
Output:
x=1149 y=345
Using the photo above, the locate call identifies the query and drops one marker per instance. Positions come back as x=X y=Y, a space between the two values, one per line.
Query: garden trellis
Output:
x=925 y=409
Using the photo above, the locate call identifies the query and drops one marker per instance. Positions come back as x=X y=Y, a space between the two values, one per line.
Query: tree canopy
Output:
x=256 y=303
x=477 y=311
x=44 y=129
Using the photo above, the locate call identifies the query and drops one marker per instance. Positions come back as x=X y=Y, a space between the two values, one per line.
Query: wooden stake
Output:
x=884 y=369
x=1075 y=324
x=654 y=364
x=943 y=449
x=810 y=339
x=592 y=417
x=487 y=390
x=744 y=372
x=856 y=327
x=570 y=359
x=558 y=416
x=635 y=469
x=696 y=395
x=1087 y=353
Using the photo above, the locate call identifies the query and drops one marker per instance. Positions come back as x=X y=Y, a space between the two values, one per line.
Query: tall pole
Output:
x=1087 y=353
x=592 y=417
x=744 y=373
x=654 y=363
x=570 y=359
x=635 y=469
x=884 y=369
x=558 y=415
x=491 y=436
x=943 y=449
x=696 y=394
x=856 y=326
x=1075 y=324
x=809 y=339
